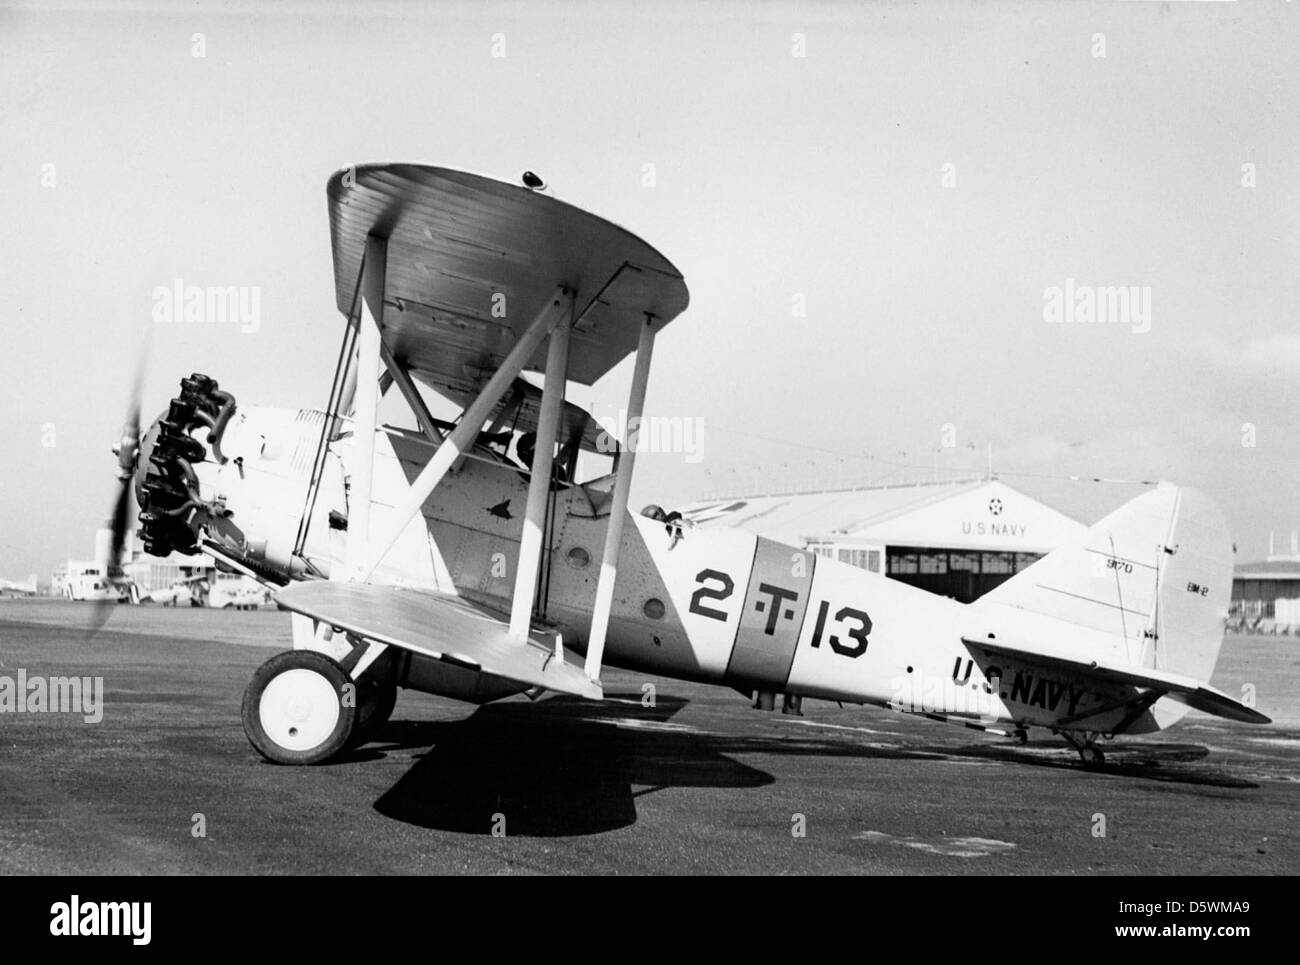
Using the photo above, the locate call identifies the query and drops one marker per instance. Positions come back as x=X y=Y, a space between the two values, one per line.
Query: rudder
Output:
x=1156 y=573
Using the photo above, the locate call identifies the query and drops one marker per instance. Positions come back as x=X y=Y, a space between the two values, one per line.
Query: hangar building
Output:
x=1266 y=595
x=958 y=539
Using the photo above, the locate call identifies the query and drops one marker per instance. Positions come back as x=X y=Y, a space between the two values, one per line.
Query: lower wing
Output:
x=440 y=626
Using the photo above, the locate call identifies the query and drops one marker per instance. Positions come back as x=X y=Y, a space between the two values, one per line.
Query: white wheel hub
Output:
x=299 y=709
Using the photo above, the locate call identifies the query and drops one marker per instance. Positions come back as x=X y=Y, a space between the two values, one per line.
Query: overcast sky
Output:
x=917 y=177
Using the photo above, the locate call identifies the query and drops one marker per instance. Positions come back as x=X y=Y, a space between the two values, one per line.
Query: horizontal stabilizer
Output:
x=440 y=626
x=1186 y=690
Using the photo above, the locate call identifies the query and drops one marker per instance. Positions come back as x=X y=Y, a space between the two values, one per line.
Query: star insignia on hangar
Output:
x=995 y=506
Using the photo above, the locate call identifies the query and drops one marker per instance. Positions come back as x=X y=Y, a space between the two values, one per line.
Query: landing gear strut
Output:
x=1085 y=742
x=375 y=702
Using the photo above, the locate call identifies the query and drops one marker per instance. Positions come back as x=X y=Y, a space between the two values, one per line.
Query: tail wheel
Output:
x=1092 y=756
x=294 y=709
x=375 y=702
x=1085 y=742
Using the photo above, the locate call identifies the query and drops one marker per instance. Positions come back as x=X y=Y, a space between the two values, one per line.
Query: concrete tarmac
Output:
x=698 y=783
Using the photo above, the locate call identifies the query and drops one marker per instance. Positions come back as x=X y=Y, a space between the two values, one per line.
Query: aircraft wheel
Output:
x=293 y=710
x=1092 y=756
x=375 y=703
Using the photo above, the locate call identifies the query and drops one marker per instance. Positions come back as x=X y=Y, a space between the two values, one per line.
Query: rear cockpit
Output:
x=585 y=456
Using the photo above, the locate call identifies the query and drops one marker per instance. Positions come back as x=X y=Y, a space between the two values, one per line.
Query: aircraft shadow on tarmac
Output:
x=564 y=767
x=1152 y=761
x=555 y=768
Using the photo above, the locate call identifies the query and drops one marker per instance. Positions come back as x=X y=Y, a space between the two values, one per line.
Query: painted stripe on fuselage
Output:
x=776 y=602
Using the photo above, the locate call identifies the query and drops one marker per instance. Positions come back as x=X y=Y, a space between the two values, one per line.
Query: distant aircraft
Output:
x=435 y=560
x=25 y=588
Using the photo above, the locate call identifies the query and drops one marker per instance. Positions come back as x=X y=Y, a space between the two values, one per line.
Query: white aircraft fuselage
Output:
x=705 y=603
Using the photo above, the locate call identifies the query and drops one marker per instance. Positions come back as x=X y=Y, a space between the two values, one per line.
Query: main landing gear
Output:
x=375 y=702
x=1085 y=742
x=302 y=707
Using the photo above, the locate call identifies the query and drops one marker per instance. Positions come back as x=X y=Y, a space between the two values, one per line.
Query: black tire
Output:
x=375 y=702
x=276 y=747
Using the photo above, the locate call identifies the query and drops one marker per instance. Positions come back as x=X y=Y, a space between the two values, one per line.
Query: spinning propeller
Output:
x=127 y=450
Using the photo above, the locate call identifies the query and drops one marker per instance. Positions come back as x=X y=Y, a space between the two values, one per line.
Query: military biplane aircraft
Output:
x=466 y=558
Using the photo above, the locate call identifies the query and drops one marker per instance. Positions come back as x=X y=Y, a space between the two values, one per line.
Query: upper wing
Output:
x=440 y=626
x=472 y=259
x=1186 y=690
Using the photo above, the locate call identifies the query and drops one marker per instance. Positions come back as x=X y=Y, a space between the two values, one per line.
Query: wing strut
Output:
x=539 y=485
x=557 y=307
x=329 y=427
x=406 y=385
x=622 y=487
x=374 y=267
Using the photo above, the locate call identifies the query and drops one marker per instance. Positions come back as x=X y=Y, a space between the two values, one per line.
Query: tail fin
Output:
x=1156 y=573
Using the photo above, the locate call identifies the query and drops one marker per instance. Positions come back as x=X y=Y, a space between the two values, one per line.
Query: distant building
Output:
x=1266 y=595
x=957 y=539
x=27 y=587
x=138 y=577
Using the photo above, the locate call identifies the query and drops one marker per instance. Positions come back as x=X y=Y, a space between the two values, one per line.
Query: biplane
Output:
x=469 y=558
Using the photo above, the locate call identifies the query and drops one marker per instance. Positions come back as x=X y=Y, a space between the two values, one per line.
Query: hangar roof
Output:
x=973 y=514
x=1268 y=570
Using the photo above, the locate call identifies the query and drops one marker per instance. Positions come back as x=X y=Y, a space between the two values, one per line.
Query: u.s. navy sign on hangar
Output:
x=958 y=539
